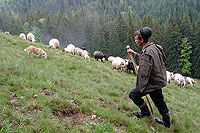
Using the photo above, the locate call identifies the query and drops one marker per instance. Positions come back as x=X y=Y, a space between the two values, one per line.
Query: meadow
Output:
x=65 y=93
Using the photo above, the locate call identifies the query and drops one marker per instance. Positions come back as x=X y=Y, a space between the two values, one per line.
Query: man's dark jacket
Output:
x=152 y=71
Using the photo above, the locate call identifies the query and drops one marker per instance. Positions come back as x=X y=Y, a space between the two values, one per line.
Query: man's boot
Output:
x=165 y=121
x=144 y=111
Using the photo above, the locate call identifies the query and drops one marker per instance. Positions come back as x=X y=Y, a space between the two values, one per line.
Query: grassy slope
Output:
x=62 y=92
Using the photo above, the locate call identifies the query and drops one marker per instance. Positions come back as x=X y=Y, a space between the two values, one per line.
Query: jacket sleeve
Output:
x=137 y=56
x=144 y=72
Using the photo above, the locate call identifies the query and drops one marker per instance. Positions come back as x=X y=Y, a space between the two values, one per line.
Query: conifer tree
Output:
x=186 y=27
x=196 y=54
x=172 y=46
x=121 y=32
x=48 y=27
x=130 y=36
x=104 y=32
x=59 y=27
x=5 y=19
x=113 y=41
x=27 y=27
x=185 y=56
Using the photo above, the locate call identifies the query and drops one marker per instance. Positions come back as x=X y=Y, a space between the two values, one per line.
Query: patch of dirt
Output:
x=1 y=125
x=66 y=112
x=46 y=92
x=75 y=117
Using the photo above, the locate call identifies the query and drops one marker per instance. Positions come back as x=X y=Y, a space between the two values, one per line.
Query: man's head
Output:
x=142 y=36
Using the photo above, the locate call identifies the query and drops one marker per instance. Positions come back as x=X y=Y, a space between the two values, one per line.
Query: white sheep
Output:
x=76 y=50
x=79 y=52
x=179 y=80
x=190 y=81
x=54 y=43
x=70 y=48
x=118 y=63
x=87 y=57
x=84 y=53
x=169 y=76
x=7 y=32
x=111 y=59
x=31 y=37
x=22 y=35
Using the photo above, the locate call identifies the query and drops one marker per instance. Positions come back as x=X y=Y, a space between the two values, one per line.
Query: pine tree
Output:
x=59 y=27
x=121 y=32
x=172 y=46
x=104 y=35
x=196 y=54
x=185 y=56
x=186 y=27
x=130 y=36
x=113 y=41
x=48 y=27
x=5 y=19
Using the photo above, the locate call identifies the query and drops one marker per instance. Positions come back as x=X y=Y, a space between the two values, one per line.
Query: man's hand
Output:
x=130 y=51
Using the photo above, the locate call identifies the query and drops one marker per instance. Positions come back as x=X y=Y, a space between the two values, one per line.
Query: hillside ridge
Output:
x=65 y=93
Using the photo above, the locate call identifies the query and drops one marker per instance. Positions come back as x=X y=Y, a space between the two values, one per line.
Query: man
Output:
x=151 y=77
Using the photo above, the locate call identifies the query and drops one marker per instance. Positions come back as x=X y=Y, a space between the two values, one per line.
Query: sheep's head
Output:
x=127 y=47
x=104 y=56
x=194 y=82
x=44 y=55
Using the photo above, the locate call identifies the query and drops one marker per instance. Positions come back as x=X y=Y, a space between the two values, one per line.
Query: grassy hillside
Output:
x=64 y=93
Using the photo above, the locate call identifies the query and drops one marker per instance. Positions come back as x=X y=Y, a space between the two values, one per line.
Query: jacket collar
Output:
x=147 y=45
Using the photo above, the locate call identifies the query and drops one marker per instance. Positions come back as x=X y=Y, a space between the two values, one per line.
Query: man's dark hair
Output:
x=137 y=33
x=146 y=32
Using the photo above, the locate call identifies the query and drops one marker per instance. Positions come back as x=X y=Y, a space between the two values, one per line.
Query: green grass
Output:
x=62 y=92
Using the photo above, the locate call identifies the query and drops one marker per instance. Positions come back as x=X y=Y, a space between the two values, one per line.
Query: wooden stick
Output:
x=150 y=105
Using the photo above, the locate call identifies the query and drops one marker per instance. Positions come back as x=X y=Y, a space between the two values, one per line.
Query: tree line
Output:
x=159 y=9
x=87 y=28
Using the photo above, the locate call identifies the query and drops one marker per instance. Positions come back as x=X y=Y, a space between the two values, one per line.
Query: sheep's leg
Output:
x=31 y=54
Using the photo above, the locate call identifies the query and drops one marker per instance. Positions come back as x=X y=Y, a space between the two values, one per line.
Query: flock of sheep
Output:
x=180 y=79
x=118 y=63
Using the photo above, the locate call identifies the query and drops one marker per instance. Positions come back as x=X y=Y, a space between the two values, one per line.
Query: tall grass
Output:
x=63 y=92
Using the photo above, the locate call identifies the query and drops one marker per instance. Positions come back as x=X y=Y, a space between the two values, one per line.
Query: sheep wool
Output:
x=54 y=43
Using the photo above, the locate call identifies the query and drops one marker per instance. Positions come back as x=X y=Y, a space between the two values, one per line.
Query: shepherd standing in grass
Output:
x=151 y=77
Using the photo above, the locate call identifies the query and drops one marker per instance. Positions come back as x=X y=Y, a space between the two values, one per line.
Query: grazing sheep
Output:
x=22 y=35
x=118 y=63
x=84 y=53
x=99 y=55
x=31 y=37
x=190 y=81
x=169 y=76
x=129 y=65
x=179 y=80
x=87 y=57
x=79 y=52
x=54 y=43
x=7 y=33
x=111 y=59
x=102 y=60
x=83 y=48
x=76 y=50
x=70 y=48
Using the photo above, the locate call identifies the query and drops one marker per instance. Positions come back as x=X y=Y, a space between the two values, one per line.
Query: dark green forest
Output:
x=109 y=25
